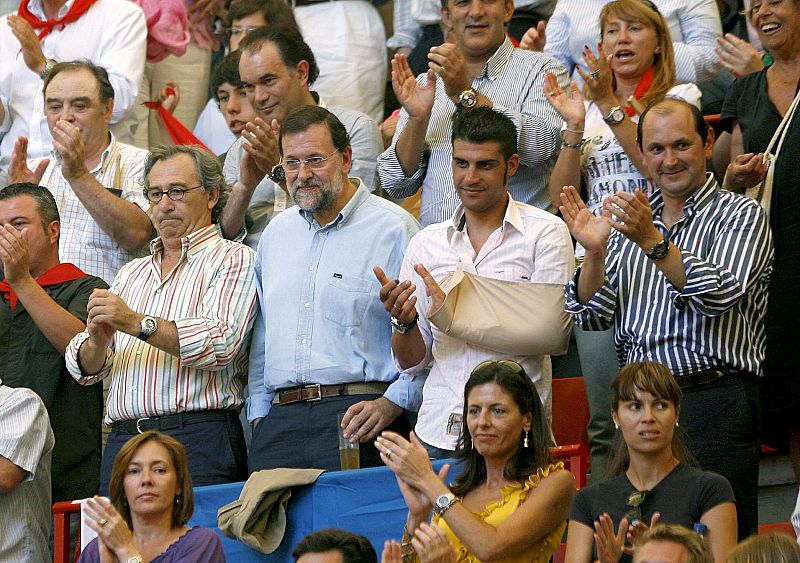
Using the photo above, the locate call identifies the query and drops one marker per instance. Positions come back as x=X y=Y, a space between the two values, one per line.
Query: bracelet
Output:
x=577 y=145
x=578 y=131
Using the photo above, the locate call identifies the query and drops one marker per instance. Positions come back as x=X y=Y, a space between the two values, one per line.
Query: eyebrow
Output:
x=78 y=99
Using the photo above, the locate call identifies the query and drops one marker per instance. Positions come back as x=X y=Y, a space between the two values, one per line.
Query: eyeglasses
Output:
x=175 y=194
x=634 y=502
x=510 y=364
x=240 y=30
x=315 y=162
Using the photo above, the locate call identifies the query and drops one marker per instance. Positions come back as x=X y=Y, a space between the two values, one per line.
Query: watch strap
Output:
x=659 y=250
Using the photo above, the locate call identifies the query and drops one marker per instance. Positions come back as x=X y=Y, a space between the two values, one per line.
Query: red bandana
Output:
x=76 y=11
x=178 y=132
x=641 y=89
x=54 y=276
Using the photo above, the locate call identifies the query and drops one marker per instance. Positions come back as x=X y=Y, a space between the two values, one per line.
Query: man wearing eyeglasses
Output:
x=321 y=344
x=279 y=68
x=94 y=178
x=171 y=332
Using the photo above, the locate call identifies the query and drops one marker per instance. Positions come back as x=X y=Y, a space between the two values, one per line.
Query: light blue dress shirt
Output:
x=321 y=320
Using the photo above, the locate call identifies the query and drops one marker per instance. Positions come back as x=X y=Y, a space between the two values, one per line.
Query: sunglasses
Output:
x=634 y=502
x=511 y=365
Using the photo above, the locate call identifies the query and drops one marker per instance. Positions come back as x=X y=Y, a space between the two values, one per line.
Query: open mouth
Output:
x=624 y=55
x=236 y=126
x=769 y=28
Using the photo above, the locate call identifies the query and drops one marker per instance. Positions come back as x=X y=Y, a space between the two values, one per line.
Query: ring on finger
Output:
x=388 y=453
x=103 y=522
x=595 y=74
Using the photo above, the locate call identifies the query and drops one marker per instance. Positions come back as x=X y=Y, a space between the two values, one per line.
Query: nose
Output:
x=304 y=172
x=234 y=106
x=472 y=176
x=67 y=114
x=260 y=94
x=670 y=157
x=476 y=8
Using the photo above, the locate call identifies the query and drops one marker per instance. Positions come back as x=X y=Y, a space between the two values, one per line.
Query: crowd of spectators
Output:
x=220 y=301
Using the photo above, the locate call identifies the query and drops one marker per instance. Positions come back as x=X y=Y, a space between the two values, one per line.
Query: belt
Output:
x=317 y=392
x=170 y=421
x=300 y=3
x=705 y=376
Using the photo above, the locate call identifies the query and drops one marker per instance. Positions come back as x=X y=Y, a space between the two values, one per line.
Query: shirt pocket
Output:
x=346 y=299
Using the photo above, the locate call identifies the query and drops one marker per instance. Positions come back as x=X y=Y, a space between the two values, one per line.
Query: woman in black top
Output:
x=652 y=481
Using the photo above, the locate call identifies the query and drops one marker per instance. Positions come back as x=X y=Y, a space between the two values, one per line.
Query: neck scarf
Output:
x=46 y=26
x=641 y=89
x=57 y=274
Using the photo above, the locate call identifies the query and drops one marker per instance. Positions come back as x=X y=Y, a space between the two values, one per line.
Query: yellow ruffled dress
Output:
x=495 y=513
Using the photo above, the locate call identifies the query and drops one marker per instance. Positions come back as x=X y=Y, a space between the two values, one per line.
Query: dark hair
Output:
x=289 y=43
x=445 y=6
x=696 y=548
x=661 y=106
x=207 y=168
x=653 y=378
x=183 y=508
x=512 y=379
x=100 y=74
x=769 y=548
x=45 y=202
x=275 y=12
x=484 y=125
x=354 y=548
x=227 y=72
x=303 y=117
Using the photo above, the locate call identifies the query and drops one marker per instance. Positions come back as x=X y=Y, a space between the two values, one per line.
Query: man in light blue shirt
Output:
x=322 y=341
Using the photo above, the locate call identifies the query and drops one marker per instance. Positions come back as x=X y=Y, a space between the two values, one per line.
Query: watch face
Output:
x=148 y=325
x=278 y=174
x=467 y=99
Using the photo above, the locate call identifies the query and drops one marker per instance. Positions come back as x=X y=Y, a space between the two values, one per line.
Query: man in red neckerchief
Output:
x=109 y=33
x=42 y=306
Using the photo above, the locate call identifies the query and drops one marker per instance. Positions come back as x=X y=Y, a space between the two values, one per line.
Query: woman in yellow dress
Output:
x=511 y=501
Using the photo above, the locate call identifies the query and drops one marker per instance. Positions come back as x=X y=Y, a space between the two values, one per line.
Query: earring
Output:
x=616 y=426
x=677 y=424
x=657 y=50
x=525 y=441
x=177 y=500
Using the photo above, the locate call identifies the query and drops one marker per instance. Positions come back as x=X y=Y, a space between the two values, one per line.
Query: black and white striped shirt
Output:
x=718 y=318
x=514 y=80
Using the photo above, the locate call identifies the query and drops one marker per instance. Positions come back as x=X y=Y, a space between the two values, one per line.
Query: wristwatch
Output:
x=149 y=326
x=659 y=250
x=398 y=326
x=48 y=65
x=277 y=174
x=616 y=115
x=443 y=503
x=468 y=98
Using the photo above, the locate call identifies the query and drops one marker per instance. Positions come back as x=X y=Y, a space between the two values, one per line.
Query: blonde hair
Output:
x=644 y=12
x=769 y=548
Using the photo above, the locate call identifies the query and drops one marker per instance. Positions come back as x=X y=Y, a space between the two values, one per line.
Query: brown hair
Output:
x=183 y=508
x=664 y=62
x=653 y=378
x=697 y=549
x=769 y=548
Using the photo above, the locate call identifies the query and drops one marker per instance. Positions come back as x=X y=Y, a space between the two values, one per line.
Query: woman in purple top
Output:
x=151 y=501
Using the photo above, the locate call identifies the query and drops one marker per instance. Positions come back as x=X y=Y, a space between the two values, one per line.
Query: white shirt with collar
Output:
x=531 y=245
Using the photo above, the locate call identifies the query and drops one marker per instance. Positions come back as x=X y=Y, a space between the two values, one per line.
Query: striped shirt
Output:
x=514 y=80
x=694 y=26
x=26 y=440
x=82 y=241
x=718 y=318
x=211 y=297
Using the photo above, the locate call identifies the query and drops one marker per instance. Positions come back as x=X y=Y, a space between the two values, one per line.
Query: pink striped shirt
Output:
x=211 y=297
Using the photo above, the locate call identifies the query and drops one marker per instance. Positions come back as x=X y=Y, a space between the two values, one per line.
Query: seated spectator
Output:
x=511 y=500
x=666 y=543
x=769 y=548
x=334 y=546
x=151 y=500
x=694 y=27
x=230 y=94
x=243 y=17
x=653 y=480
x=26 y=444
x=600 y=155
x=280 y=68
x=43 y=307
x=172 y=331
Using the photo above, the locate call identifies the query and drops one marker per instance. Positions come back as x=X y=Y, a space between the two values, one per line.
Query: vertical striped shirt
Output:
x=718 y=318
x=514 y=80
x=694 y=26
x=211 y=297
x=26 y=440
x=82 y=242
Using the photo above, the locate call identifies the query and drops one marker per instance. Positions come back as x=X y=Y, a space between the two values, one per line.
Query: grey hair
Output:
x=207 y=168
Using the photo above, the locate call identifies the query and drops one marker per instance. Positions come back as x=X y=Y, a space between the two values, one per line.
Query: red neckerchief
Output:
x=177 y=131
x=57 y=274
x=76 y=11
x=641 y=89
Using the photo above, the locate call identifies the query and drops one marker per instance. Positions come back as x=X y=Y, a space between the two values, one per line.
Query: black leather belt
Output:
x=171 y=421
x=299 y=3
x=317 y=392
x=707 y=376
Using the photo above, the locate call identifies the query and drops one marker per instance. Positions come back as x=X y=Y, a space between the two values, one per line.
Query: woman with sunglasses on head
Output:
x=511 y=501
x=600 y=156
x=652 y=481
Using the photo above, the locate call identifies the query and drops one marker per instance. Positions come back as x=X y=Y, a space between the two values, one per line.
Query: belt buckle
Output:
x=138 y=422
x=316 y=386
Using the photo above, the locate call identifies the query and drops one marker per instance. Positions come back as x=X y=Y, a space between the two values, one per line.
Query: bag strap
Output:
x=783 y=128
